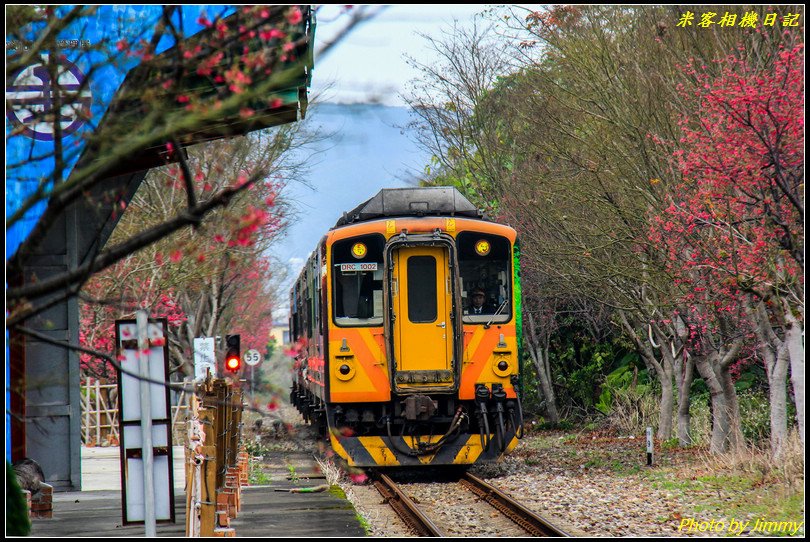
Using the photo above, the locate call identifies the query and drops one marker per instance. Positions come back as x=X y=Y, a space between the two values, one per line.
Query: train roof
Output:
x=421 y=201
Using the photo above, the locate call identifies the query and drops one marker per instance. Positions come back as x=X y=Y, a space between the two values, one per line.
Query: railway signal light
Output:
x=233 y=355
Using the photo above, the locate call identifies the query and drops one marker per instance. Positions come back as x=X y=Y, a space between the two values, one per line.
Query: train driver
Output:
x=478 y=304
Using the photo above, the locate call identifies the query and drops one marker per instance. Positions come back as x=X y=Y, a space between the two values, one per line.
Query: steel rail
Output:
x=404 y=506
x=525 y=518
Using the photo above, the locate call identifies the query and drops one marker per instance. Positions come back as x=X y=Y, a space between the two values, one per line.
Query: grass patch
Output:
x=363 y=523
x=293 y=474
x=257 y=477
x=745 y=486
x=337 y=491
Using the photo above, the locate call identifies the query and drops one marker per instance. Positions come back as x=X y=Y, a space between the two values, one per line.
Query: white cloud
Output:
x=369 y=66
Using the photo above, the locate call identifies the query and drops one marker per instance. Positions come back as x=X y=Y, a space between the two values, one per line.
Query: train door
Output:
x=422 y=327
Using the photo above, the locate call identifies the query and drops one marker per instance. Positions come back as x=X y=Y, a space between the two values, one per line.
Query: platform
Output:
x=267 y=511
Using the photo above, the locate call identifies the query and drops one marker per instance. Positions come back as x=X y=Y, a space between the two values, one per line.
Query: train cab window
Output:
x=357 y=291
x=422 y=297
x=486 y=278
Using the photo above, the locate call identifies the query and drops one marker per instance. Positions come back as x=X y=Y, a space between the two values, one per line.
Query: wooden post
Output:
x=98 y=412
x=220 y=419
x=220 y=397
x=113 y=414
x=87 y=411
x=179 y=405
x=208 y=489
x=105 y=413
x=191 y=441
x=191 y=530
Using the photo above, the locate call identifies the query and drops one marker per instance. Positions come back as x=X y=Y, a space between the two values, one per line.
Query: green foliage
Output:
x=257 y=477
x=531 y=399
x=337 y=491
x=363 y=521
x=270 y=348
x=701 y=416
x=583 y=366
x=292 y=472
x=623 y=383
x=755 y=414
x=670 y=444
x=256 y=448
x=564 y=425
x=17 y=521
x=629 y=397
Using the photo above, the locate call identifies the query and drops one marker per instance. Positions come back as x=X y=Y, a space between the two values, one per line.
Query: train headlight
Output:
x=345 y=371
x=482 y=247
x=359 y=250
x=501 y=367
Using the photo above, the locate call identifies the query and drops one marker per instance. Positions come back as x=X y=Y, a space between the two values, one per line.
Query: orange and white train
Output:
x=396 y=363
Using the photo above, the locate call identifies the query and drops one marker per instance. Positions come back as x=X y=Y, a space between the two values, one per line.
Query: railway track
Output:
x=534 y=524
x=404 y=506
x=422 y=525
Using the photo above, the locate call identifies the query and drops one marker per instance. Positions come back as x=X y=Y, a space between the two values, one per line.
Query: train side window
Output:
x=485 y=268
x=357 y=284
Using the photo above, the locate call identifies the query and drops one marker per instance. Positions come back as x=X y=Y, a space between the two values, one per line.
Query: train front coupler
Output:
x=482 y=414
x=499 y=397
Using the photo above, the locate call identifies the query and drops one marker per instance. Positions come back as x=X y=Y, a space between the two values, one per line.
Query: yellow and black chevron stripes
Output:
x=380 y=451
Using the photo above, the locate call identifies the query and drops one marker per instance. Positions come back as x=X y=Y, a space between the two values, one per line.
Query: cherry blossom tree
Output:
x=215 y=276
x=734 y=226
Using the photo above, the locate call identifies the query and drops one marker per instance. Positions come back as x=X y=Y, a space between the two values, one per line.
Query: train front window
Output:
x=485 y=270
x=422 y=289
x=357 y=287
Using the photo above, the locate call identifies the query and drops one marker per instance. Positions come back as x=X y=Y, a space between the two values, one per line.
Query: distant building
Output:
x=281 y=332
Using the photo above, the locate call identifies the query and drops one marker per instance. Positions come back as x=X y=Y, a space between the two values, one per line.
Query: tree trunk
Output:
x=777 y=395
x=734 y=435
x=719 y=408
x=794 y=337
x=667 y=402
x=540 y=357
x=685 y=378
x=663 y=373
x=775 y=355
x=541 y=363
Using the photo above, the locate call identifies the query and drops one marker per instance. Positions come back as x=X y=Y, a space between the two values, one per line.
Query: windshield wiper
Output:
x=497 y=312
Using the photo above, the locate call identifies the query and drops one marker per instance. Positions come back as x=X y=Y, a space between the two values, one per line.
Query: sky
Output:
x=368 y=66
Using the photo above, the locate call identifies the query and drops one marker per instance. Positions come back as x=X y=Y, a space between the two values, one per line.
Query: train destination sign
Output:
x=358 y=266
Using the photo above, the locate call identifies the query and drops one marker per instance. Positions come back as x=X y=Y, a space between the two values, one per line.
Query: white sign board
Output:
x=132 y=424
x=204 y=357
x=252 y=357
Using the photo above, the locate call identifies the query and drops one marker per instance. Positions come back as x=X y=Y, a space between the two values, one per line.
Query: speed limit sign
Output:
x=252 y=357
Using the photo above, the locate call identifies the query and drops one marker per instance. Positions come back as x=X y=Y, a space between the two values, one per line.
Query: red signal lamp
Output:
x=233 y=354
x=233 y=364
